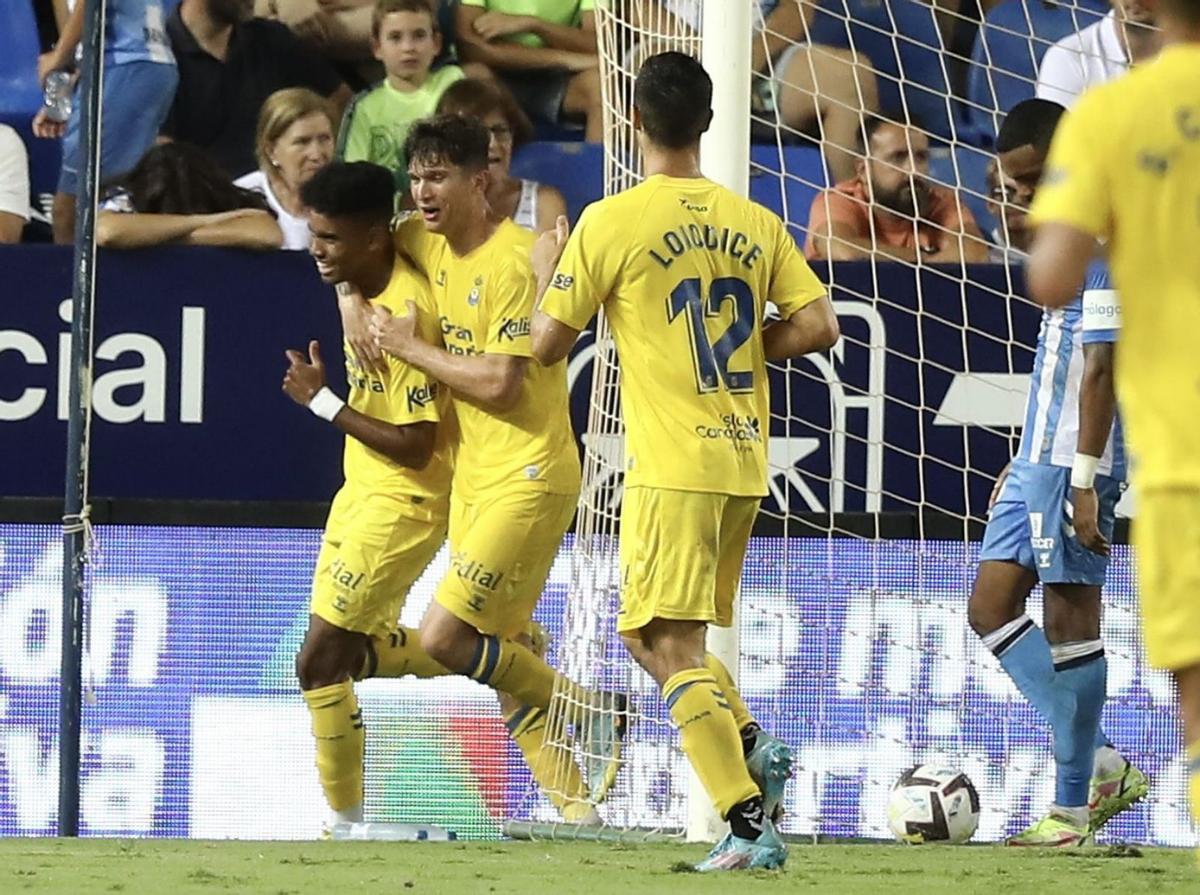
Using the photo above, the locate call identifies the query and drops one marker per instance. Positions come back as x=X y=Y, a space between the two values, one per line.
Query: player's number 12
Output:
x=712 y=358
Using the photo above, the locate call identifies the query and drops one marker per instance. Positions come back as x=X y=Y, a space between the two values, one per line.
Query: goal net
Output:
x=853 y=643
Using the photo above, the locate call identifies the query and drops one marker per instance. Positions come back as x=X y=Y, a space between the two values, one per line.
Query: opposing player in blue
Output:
x=1030 y=537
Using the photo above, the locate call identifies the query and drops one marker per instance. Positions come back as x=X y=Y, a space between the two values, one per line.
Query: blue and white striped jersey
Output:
x=135 y=31
x=1052 y=408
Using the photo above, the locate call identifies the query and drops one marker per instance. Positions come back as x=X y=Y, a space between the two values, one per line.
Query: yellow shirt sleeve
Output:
x=414 y=242
x=510 y=312
x=1075 y=188
x=793 y=285
x=582 y=281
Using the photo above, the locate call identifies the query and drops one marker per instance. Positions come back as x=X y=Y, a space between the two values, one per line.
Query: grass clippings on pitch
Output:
x=187 y=867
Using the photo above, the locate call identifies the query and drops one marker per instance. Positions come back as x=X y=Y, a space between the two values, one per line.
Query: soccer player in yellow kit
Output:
x=684 y=269
x=517 y=474
x=1124 y=170
x=389 y=518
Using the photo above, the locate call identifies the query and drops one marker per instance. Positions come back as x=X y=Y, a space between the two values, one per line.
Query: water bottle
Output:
x=386 y=832
x=56 y=96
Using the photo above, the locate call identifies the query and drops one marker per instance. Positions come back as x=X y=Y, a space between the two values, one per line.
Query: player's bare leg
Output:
x=673 y=652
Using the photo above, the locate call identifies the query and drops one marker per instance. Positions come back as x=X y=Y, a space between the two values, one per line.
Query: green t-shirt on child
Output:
x=377 y=121
x=557 y=12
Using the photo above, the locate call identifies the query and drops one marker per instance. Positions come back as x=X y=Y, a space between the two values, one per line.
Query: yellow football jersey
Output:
x=484 y=304
x=401 y=395
x=684 y=269
x=1125 y=167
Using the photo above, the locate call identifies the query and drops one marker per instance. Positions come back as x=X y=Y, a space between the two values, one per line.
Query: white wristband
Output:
x=326 y=404
x=1083 y=471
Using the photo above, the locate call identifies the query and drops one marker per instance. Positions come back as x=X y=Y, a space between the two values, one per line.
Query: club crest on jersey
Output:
x=514 y=327
x=473 y=295
x=421 y=395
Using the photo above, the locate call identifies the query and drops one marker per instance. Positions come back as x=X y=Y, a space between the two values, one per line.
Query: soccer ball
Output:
x=933 y=804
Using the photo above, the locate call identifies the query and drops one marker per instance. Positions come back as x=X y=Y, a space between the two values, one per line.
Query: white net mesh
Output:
x=854 y=643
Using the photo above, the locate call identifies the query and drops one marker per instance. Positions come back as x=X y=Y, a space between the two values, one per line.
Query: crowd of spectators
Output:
x=257 y=95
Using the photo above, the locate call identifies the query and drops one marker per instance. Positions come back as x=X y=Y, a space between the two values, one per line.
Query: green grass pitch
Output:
x=182 y=867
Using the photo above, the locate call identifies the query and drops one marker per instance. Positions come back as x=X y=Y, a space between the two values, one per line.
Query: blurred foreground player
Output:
x=1124 y=170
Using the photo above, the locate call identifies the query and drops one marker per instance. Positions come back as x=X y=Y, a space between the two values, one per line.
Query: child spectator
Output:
x=405 y=38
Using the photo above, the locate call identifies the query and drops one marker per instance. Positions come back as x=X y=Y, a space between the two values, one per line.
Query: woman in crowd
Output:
x=177 y=194
x=534 y=206
x=294 y=140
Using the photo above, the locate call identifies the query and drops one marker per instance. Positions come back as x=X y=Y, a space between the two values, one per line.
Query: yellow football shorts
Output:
x=1166 y=535
x=374 y=548
x=681 y=555
x=501 y=551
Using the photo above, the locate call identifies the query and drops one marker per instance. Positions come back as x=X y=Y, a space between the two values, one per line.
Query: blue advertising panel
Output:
x=914 y=408
x=856 y=652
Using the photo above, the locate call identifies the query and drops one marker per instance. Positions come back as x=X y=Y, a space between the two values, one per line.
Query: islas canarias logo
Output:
x=734 y=428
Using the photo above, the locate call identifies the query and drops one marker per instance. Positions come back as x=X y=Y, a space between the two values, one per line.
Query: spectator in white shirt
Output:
x=1098 y=53
x=294 y=141
x=14 y=185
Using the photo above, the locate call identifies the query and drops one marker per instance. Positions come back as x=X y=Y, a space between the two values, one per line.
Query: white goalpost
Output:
x=852 y=642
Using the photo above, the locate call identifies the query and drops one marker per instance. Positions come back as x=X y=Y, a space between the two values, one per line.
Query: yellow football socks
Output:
x=338 y=728
x=552 y=763
x=709 y=736
x=741 y=715
x=513 y=669
x=399 y=654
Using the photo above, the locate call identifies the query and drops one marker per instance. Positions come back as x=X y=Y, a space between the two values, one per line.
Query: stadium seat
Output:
x=20 y=94
x=965 y=169
x=577 y=169
x=1008 y=50
x=904 y=45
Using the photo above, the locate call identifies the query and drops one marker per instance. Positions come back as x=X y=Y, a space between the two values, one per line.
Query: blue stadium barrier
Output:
x=1005 y=60
x=190 y=341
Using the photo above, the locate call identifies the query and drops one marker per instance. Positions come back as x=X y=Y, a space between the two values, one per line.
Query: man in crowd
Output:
x=890 y=210
x=229 y=63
